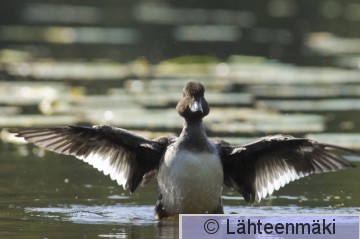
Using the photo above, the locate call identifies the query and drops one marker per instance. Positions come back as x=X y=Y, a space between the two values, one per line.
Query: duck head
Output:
x=193 y=105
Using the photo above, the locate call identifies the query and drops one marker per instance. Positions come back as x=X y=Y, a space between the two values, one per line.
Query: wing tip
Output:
x=344 y=149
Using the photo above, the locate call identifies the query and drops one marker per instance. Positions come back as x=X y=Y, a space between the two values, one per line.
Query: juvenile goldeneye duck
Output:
x=190 y=169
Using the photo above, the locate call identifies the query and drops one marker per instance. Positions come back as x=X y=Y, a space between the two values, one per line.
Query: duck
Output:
x=191 y=170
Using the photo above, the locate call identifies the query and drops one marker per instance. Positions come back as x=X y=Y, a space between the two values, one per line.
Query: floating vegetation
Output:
x=351 y=140
x=247 y=94
x=304 y=91
x=329 y=44
x=312 y=105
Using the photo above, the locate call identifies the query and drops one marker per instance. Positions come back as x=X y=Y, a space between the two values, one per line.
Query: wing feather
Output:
x=259 y=168
x=127 y=158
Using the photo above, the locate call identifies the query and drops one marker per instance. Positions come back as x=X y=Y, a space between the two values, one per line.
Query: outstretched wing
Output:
x=125 y=157
x=258 y=168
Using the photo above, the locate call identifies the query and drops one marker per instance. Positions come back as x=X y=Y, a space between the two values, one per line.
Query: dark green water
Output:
x=54 y=196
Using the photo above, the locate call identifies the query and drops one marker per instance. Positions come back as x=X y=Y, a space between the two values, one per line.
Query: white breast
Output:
x=190 y=182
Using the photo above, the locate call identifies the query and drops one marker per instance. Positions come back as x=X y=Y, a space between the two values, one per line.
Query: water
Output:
x=55 y=196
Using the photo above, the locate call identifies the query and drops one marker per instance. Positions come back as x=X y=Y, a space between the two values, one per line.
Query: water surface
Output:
x=55 y=196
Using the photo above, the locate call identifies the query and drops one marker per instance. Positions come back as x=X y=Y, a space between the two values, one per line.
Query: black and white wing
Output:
x=127 y=158
x=258 y=168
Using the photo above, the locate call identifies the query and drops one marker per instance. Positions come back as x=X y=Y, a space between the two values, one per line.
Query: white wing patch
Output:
x=118 y=172
x=270 y=179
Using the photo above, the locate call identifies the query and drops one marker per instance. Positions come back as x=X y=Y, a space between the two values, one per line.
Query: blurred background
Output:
x=87 y=62
x=277 y=66
x=125 y=30
x=287 y=30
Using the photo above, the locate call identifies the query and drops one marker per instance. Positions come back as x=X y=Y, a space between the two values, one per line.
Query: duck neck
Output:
x=194 y=127
x=193 y=136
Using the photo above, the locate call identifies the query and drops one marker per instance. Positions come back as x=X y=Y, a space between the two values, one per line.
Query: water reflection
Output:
x=127 y=221
x=55 y=195
x=97 y=214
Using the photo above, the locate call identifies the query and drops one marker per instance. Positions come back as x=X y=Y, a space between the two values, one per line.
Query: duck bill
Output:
x=196 y=106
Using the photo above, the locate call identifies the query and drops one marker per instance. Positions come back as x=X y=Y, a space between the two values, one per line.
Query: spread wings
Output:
x=258 y=168
x=125 y=157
